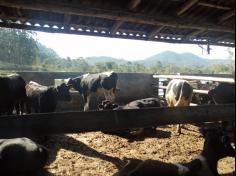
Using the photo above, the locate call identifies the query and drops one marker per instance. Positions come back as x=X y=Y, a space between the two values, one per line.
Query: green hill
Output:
x=166 y=58
x=99 y=59
x=184 y=59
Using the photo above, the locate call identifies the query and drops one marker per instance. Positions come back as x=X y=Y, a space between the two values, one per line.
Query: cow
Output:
x=21 y=156
x=223 y=93
x=12 y=94
x=99 y=83
x=179 y=94
x=136 y=104
x=216 y=146
x=44 y=99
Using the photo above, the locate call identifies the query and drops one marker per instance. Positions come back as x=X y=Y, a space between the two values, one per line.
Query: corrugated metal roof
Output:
x=175 y=21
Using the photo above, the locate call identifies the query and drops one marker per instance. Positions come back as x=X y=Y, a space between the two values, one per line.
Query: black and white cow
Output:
x=136 y=104
x=21 y=156
x=44 y=98
x=216 y=146
x=179 y=94
x=99 y=83
x=12 y=94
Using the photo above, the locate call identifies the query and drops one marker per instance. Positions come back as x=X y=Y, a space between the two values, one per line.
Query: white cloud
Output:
x=84 y=46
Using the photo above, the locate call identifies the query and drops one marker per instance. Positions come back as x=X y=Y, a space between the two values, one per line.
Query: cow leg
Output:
x=112 y=94
x=106 y=95
x=17 y=107
x=86 y=102
x=179 y=129
x=22 y=107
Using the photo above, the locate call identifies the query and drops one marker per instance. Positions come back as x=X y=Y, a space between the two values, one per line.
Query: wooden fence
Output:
x=73 y=122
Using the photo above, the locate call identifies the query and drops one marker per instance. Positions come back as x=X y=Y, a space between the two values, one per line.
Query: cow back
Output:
x=179 y=93
x=21 y=156
x=224 y=93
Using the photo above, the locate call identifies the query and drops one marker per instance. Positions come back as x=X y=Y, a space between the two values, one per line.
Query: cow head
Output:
x=75 y=83
x=218 y=143
x=107 y=105
x=63 y=92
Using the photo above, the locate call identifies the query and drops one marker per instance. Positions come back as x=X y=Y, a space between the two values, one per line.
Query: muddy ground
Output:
x=99 y=154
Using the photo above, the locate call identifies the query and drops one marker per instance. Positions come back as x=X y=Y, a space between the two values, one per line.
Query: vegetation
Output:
x=20 y=50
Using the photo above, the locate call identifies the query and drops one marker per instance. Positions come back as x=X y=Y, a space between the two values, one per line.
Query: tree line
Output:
x=21 y=51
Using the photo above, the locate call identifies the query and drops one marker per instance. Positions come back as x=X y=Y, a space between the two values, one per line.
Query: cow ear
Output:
x=100 y=107
x=70 y=86
x=114 y=106
x=69 y=81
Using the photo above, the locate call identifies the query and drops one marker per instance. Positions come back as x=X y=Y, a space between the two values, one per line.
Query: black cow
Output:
x=100 y=83
x=223 y=93
x=216 y=146
x=43 y=98
x=12 y=94
x=21 y=156
x=178 y=94
x=136 y=104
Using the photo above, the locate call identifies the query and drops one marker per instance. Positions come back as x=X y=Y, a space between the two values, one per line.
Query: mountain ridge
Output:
x=186 y=59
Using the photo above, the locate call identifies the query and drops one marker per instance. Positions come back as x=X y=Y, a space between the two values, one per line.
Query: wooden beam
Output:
x=74 y=122
x=226 y=16
x=134 y=4
x=66 y=22
x=155 y=32
x=187 y=77
x=187 y=5
x=192 y=34
x=113 y=15
x=116 y=26
x=134 y=37
x=205 y=4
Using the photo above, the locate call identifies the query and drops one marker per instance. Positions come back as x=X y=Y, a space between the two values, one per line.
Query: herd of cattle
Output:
x=22 y=155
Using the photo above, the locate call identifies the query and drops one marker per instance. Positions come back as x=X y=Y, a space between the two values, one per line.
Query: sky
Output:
x=74 y=46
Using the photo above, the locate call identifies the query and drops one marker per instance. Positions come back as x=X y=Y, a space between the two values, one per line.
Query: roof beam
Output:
x=155 y=32
x=52 y=30
x=192 y=34
x=226 y=16
x=116 y=26
x=134 y=4
x=113 y=15
x=66 y=22
x=187 y=5
x=214 y=6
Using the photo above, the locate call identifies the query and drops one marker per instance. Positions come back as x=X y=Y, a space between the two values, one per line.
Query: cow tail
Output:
x=180 y=96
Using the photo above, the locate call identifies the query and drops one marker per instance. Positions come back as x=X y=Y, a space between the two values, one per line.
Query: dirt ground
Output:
x=99 y=154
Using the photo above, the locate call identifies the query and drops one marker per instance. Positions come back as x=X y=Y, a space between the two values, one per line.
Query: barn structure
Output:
x=175 y=21
x=202 y=22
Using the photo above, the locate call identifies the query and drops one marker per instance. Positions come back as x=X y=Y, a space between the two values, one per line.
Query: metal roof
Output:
x=174 y=21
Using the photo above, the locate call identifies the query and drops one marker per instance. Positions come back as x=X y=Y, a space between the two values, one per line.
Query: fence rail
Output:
x=73 y=122
x=188 y=77
x=194 y=90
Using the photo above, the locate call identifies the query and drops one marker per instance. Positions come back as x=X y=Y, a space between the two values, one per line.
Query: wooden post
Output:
x=74 y=122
